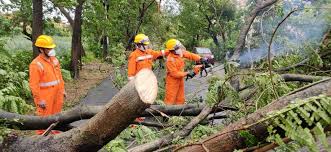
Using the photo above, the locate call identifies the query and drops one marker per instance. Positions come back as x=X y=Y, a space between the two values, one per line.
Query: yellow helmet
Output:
x=141 y=38
x=45 y=41
x=173 y=44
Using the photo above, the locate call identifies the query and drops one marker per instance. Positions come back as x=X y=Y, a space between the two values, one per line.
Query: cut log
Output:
x=117 y=115
x=229 y=139
x=26 y=122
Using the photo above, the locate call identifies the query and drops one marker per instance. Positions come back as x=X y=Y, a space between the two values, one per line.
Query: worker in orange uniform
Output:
x=175 y=72
x=142 y=56
x=46 y=80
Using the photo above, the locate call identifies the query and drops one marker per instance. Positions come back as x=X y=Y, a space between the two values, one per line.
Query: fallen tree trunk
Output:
x=117 y=115
x=26 y=122
x=229 y=139
x=301 y=77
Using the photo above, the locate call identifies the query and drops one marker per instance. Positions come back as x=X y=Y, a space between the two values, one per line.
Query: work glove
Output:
x=191 y=75
x=203 y=60
x=42 y=104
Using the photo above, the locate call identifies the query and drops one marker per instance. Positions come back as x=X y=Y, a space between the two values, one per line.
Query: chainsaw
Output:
x=200 y=67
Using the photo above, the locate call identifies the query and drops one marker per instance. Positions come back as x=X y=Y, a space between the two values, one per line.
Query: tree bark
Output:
x=37 y=23
x=247 y=25
x=66 y=14
x=301 y=77
x=76 y=51
x=229 y=139
x=80 y=112
x=118 y=114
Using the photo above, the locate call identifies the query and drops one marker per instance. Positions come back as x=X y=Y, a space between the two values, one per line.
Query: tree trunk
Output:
x=37 y=23
x=247 y=25
x=85 y=112
x=229 y=139
x=76 y=39
x=105 y=46
x=118 y=114
x=301 y=77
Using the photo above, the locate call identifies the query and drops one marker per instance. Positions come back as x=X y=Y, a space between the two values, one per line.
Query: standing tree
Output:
x=76 y=43
x=37 y=23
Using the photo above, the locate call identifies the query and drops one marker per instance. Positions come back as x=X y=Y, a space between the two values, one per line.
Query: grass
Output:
x=19 y=42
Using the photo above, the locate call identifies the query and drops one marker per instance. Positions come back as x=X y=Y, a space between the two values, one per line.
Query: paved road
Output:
x=101 y=94
x=198 y=86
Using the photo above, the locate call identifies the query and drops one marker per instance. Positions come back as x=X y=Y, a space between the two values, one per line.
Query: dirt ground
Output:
x=91 y=75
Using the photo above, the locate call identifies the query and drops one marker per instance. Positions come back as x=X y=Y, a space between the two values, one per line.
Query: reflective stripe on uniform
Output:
x=48 y=84
x=171 y=59
x=40 y=66
x=143 y=57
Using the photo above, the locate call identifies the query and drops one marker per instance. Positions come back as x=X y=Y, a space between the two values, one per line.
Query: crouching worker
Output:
x=45 y=80
x=175 y=72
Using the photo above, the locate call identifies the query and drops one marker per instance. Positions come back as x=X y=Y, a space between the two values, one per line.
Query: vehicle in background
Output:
x=205 y=53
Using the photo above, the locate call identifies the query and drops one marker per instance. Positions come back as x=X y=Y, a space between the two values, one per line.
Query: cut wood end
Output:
x=146 y=85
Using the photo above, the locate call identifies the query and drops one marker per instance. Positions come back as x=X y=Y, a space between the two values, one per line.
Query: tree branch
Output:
x=228 y=138
x=26 y=122
x=247 y=25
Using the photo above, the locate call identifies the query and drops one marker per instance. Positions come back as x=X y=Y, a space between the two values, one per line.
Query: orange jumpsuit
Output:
x=142 y=59
x=47 y=85
x=175 y=77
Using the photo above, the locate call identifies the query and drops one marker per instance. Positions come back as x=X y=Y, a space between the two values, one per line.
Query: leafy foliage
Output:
x=265 y=93
x=250 y=140
x=136 y=133
x=14 y=88
x=202 y=131
x=303 y=122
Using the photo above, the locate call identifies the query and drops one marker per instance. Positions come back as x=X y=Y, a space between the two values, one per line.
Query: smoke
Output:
x=304 y=27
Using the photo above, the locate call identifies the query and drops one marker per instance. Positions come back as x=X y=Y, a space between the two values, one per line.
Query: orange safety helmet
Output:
x=45 y=41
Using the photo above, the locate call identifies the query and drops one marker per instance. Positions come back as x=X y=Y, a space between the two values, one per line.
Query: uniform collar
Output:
x=174 y=55
x=45 y=58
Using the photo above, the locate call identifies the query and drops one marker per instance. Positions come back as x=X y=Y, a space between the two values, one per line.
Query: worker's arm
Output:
x=61 y=81
x=34 y=79
x=172 y=70
x=131 y=66
x=158 y=54
x=191 y=56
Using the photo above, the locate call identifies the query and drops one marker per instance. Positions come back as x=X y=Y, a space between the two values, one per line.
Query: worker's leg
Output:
x=40 y=112
x=58 y=102
x=172 y=87
x=180 y=98
x=47 y=95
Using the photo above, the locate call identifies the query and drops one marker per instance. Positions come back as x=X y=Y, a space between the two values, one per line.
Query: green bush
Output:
x=14 y=87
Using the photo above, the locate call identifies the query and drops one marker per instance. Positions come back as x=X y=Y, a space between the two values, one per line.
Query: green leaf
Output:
x=321 y=136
